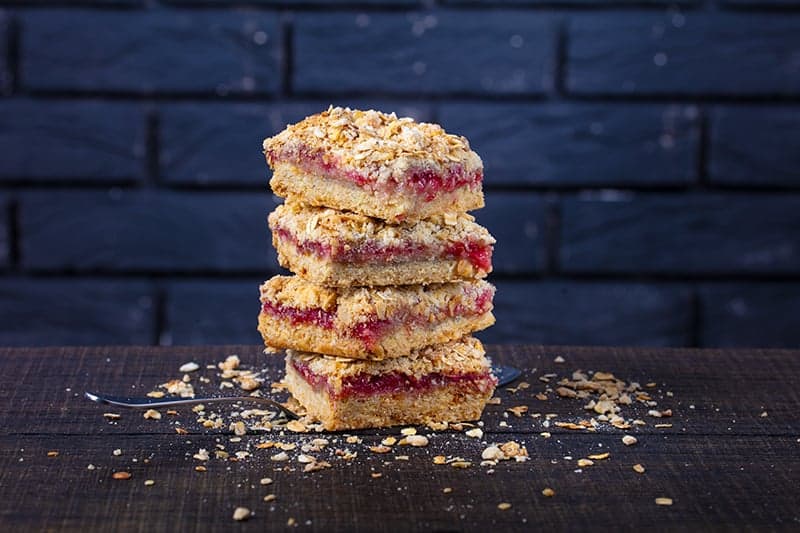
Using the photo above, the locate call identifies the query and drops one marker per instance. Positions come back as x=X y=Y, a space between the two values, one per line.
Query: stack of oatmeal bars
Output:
x=388 y=266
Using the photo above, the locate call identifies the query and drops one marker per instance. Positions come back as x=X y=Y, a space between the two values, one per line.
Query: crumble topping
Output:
x=356 y=304
x=381 y=145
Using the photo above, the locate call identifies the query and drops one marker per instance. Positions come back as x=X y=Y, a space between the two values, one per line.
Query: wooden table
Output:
x=730 y=460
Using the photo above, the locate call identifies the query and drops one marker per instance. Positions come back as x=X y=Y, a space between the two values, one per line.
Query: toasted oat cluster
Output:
x=388 y=270
x=375 y=164
x=370 y=323
x=339 y=248
x=448 y=382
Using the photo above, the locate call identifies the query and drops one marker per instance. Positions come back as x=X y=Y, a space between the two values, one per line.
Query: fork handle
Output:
x=140 y=403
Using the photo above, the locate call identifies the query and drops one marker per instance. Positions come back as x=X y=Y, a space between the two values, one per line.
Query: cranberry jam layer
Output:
x=375 y=164
x=370 y=322
x=337 y=248
x=450 y=382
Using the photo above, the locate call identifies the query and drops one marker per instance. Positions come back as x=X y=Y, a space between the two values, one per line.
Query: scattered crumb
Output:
x=188 y=367
x=376 y=475
x=380 y=449
x=447 y=490
x=600 y=456
x=559 y=360
x=296 y=426
x=265 y=481
x=547 y=492
x=585 y=462
x=241 y=513
x=417 y=440
x=201 y=455
x=152 y=414
x=117 y=452
x=112 y=416
x=475 y=433
x=269 y=497
x=52 y=453
x=518 y=410
x=121 y=475
x=663 y=501
x=504 y=506
x=638 y=468
x=629 y=440
x=149 y=482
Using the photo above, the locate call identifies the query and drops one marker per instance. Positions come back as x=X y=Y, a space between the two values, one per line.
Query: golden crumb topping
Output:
x=377 y=144
x=342 y=229
x=463 y=356
x=353 y=305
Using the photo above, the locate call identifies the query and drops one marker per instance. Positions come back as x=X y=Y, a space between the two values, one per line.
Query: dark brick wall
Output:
x=642 y=158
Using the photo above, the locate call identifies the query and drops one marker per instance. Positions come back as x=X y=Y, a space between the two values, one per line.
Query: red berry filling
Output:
x=306 y=247
x=478 y=254
x=295 y=316
x=370 y=331
x=365 y=385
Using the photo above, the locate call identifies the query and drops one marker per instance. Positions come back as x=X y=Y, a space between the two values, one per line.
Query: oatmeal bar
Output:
x=445 y=383
x=375 y=164
x=370 y=323
x=337 y=248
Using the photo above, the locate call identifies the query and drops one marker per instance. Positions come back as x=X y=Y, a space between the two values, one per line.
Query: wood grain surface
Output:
x=729 y=461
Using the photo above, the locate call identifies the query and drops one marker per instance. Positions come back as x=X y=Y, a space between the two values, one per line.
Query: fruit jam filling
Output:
x=477 y=253
x=365 y=385
x=421 y=181
x=370 y=331
x=314 y=315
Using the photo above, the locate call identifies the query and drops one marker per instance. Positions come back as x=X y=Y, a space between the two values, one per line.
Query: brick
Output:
x=684 y=53
x=760 y=315
x=71 y=141
x=75 y=312
x=517 y=221
x=762 y=3
x=146 y=232
x=591 y=313
x=220 y=144
x=5 y=68
x=144 y=52
x=755 y=146
x=212 y=312
x=5 y=233
x=579 y=144
x=326 y=3
x=505 y=52
x=686 y=234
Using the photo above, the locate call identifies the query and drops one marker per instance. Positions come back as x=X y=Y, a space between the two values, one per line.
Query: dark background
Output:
x=642 y=159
